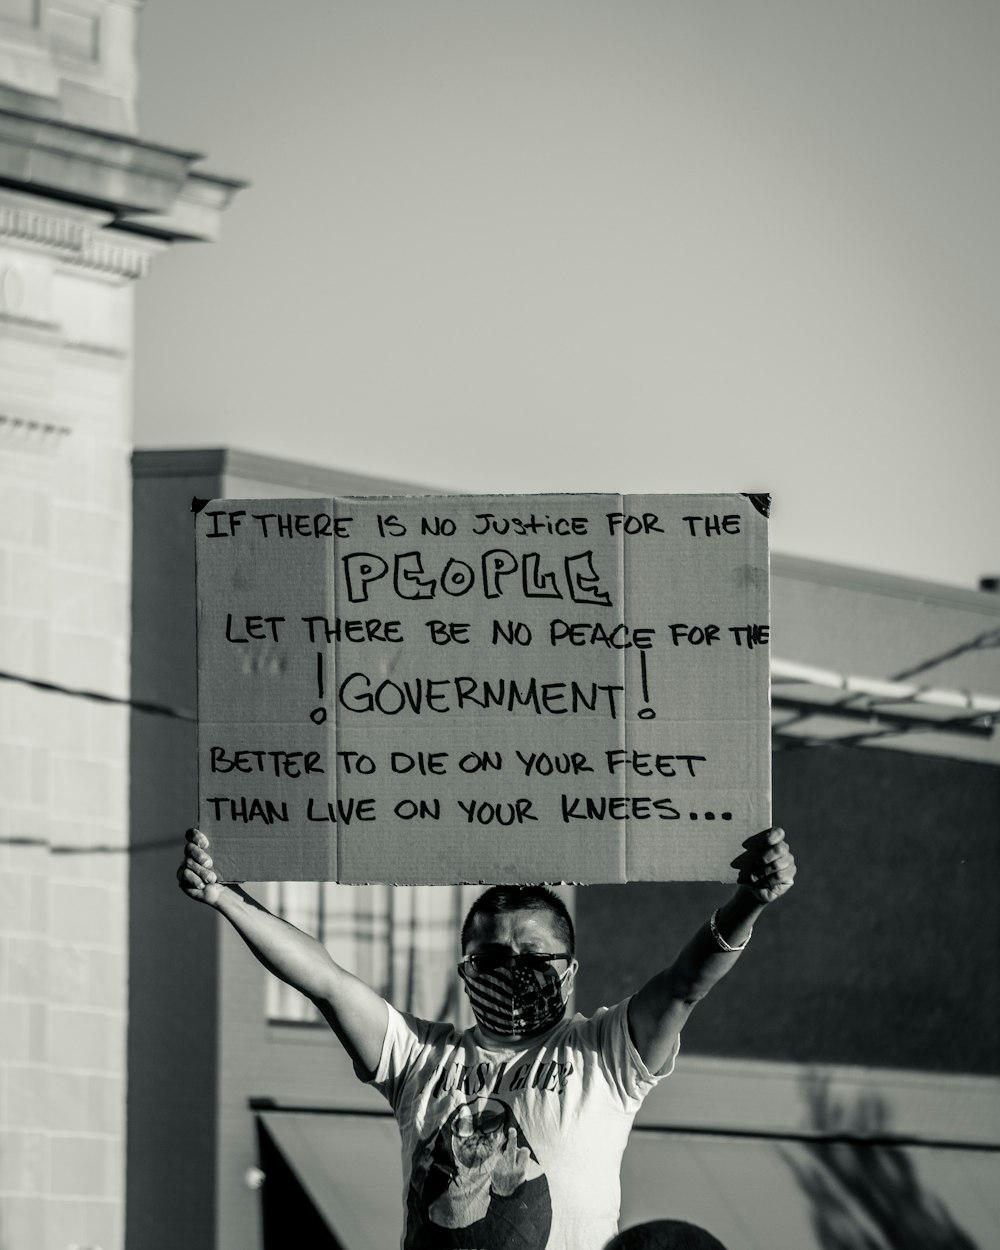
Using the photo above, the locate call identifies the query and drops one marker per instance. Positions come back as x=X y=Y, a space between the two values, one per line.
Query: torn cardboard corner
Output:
x=434 y=690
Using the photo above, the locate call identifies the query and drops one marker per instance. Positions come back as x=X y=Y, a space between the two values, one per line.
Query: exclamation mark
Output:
x=318 y=714
x=645 y=713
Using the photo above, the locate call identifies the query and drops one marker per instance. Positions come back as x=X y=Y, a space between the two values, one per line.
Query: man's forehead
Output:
x=536 y=925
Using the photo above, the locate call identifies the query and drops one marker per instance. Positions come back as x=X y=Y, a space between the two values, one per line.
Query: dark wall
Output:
x=173 y=944
x=886 y=951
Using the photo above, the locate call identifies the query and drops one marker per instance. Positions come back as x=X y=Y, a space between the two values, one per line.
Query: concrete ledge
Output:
x=130 y=177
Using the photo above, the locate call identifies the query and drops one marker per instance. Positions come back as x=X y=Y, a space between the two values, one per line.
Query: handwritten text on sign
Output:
x=458 y=688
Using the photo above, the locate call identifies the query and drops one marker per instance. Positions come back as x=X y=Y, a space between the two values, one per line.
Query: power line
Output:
x=97 y=696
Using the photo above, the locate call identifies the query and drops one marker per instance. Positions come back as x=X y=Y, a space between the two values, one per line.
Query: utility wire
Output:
x=96 y=696
x=991 y=638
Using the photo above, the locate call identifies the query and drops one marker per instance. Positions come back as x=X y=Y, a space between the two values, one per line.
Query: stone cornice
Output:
x=146 y=188
x=102 y=255
x=95 y=167
x=53 y=231
x=74 y=236
x=195 y=215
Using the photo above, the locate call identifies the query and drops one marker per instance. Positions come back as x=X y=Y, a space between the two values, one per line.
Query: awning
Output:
x=753 y=1193
x=789 y=1194
x=816 y=705
x=349 y=1165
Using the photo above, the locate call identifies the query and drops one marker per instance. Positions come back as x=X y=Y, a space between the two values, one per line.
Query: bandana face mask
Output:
x=516 y=996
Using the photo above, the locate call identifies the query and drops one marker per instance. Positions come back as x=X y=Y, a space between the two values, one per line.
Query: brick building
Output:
x=85 y=205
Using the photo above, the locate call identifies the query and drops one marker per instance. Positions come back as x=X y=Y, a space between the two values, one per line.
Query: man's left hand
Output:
x=766 y=866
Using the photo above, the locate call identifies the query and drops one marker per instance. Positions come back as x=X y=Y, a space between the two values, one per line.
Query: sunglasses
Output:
x=491 y=961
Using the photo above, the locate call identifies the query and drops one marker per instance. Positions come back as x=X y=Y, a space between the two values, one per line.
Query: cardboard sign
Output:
x=443 y=689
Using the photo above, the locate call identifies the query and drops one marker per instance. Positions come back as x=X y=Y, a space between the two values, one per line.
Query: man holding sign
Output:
x=513 y=1130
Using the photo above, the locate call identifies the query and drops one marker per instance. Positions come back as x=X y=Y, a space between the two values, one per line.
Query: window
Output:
x=404 y=941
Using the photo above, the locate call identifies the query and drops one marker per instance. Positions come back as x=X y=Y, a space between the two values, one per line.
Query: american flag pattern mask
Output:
x=515 y=1002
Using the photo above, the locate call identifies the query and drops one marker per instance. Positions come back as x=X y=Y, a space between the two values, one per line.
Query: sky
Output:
x=636 y=246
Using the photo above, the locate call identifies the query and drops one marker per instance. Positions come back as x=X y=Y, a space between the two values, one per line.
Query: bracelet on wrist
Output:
x=720 y=941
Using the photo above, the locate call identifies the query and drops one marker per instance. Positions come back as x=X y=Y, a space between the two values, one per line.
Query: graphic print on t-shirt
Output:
x=476 y=1184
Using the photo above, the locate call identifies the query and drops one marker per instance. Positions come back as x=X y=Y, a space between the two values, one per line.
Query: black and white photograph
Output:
x=499 y=625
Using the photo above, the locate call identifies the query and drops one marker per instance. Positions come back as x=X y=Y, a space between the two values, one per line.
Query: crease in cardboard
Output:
x=331 y=602
x=623 y=730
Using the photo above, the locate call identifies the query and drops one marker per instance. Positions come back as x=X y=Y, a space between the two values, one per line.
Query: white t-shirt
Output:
x=517 y=1148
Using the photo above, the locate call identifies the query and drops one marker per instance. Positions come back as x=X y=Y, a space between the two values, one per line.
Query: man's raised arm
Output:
x=356 y=1013
x=659 y=1010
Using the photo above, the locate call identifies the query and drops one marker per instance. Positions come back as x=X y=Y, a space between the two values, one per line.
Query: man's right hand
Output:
x=357 y=1014
x=196 y=876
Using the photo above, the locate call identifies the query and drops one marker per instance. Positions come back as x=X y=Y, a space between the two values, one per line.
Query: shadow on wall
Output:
x=866 y=1195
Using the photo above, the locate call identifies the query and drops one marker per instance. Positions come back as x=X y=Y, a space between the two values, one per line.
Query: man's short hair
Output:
x=665 y=1235
x=500 y=899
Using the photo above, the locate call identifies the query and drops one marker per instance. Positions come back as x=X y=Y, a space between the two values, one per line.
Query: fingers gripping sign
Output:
x=767 y=866
x=196 y=876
